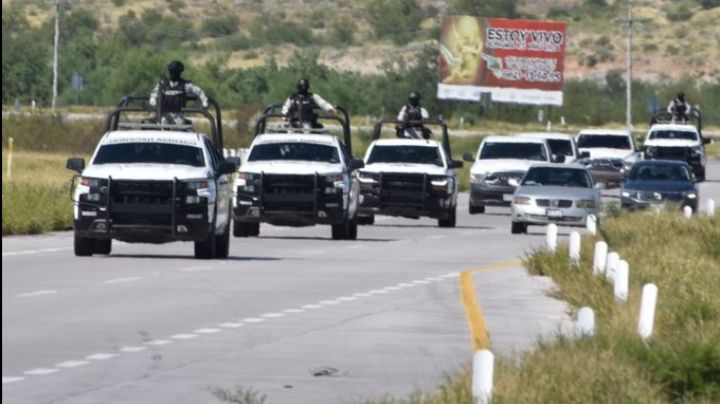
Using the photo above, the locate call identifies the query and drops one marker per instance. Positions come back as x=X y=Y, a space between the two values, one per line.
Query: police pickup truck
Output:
x=409 y=178
x=298 y=177
x=150 y=182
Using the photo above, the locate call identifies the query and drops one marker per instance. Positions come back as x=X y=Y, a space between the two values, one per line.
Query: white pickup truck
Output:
x=607 y=153
x=677 y=142
x=153 y=183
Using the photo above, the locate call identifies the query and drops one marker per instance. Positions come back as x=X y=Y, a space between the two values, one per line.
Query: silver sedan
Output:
x=554 y=193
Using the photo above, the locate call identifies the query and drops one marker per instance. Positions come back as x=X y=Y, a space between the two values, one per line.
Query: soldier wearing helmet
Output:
x=171 y=94
x=411 y=115
x=300 y=107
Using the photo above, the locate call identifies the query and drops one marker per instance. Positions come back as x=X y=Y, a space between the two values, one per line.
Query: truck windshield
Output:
x=295 y=151
x=523 y=151
x=563 y=177
x=561 y=147
x=406 y=154
x=604 y=141
x=673 y=134
x=160 y=153
x=660 y=172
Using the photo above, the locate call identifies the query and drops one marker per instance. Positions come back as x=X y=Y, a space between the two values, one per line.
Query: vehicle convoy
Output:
x=608 y=154
x=410 y=178
x=554 y=193
x=298 y=177
x=499 y=160
x=659 y=183
x=672 y=141
x=561 y=144
x=150 y=182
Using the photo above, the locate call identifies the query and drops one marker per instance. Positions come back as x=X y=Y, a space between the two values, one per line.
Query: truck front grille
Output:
x=142 y=192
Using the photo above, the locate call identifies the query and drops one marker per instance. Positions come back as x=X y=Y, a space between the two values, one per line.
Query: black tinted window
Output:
x=561 y=147
x=406 y=154
x=565 y=177
x=673 y=134
x=606 y=141
x=294 y=151
x=523 y=151
x=660 y=172
x=161 y=153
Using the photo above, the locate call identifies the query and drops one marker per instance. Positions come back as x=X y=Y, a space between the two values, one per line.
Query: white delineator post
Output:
x=687 y=212
x=591 y=224
x=482 y=377
x=610 y=265
x=574 y=249
x=551 y=237
x=585 y=326
x=647 y=310
x=600 y=257
x=710 y=207
x=622 y=275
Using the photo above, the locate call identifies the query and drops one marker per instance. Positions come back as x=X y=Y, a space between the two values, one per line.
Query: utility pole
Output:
x=628 y=85
x=56 y=54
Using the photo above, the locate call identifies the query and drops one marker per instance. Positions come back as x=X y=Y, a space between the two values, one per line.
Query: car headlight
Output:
x=522 y=200
x=586 y=203
x=691 y=195
x=440 y=183
x=92 y=189
x=626 y=194
x=197 y=191
x=93 y=182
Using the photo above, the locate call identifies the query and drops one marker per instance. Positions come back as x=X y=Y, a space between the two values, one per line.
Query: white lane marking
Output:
x=122 y=280
x=433 y=279
x=207 y=330
x=374 y=291
x=293 y=311
x=450 y=275
x=40 y=372
x=231 y=325
x=252 y=320
x=27 y=252
x=439 y=236
x=184 y=336
x=158 y=342
x=312 y=306
x=100 y=356
x=71 y=364
x=12 y=379
x=131 y=349
x=194 y=269
x=405 y=285
x=392 y=288
x=346 y=299
x=362 y=295
x=380 y=292
x=328 y=302
x=313 y=252
x=272 y=315
x=421 y=282
x=37 y=293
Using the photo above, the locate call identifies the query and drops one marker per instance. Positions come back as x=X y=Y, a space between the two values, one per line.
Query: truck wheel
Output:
x=451 y=219
x=206 y=249
x=342 y=231
x=254 y=229
x=222 y=243
x=476 y=209
x=518 y=228
x=366 y=220
x=103 y=246
x=701 y=174
x=240 y=229
x=352 y=229
x=84 y=247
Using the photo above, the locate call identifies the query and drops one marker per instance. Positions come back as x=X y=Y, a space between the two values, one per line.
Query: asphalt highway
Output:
x=291 y=314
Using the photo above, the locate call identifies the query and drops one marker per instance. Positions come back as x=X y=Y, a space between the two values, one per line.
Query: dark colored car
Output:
x=659 y=182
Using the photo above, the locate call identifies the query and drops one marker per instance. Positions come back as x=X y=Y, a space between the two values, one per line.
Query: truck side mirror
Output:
x=76 y=164
x=455 y=164
x=227 y=167
x=707 y=140
x=356 y=164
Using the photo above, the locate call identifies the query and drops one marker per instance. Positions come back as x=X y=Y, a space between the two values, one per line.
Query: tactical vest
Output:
x=413 y=113
x=303 y=106
x=172 y=99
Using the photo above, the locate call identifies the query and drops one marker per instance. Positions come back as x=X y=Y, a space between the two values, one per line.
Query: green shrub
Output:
x=30 y=208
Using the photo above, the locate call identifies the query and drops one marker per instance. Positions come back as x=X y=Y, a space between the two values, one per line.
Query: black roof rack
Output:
x=271 y=111
x=661 y=116
x=377 y=130
x=139 y=103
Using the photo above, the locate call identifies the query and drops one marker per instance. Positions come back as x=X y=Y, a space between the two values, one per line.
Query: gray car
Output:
x=554 y=193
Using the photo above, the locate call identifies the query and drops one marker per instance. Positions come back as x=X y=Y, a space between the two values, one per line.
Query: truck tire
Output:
x=701 y=175
x=518 y=228
x=254 y=229
x=206 y=249
x=366 y=220
x=353 y=229
x=476 y=209
x=84 y=247
x=244 y=229
x=103 y=246
x=451 y=219
x=222 y=243
x=347 y=230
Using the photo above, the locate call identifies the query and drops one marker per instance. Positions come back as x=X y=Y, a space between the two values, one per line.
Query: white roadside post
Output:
x=610 y=265
x=226 y=153
x=551 y=237
x=647 y=310
x=710 y=207
x=574 y=249
x=600 y=257
x=687 y=212
x=482 y=377
x=591 y=224
x=622 y=274
x=585 y=326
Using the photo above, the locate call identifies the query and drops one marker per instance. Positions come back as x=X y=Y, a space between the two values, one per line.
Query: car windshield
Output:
x=605 y=141
x=673 y=134
x=295 y=151
x=557 y=176
x=561 y=147
x=660 y=172
x=143 y=152
x=513 y=150
x=406 y=154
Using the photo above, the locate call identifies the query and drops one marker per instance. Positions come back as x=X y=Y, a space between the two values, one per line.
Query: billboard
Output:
x=517 y=61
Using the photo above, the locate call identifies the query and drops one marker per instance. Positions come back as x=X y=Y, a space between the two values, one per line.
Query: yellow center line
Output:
x=475 y=319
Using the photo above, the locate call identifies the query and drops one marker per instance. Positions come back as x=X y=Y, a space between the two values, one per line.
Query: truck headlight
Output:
x=440 y=183
x=367 y=176
x=477 y=178
x=626 y=194
x=586 y=203
x=522 y=200
x=650 y=150
x=245 y=182
x=338 y=180
x=691 y=195
x=92 y=189
x=696 y=151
